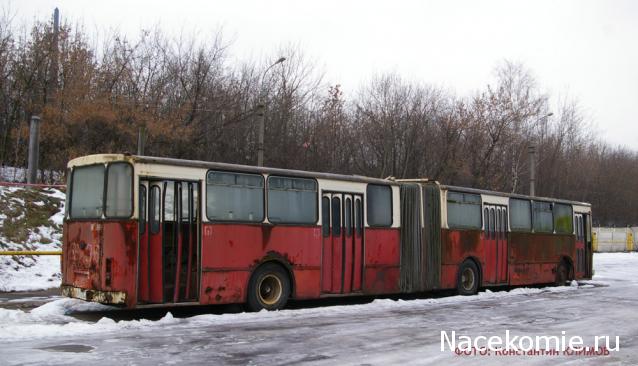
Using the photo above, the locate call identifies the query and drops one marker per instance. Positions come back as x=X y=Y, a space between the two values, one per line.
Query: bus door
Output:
x=581 y=254
x=495 y=243
x=169 y=247
x=342 y=251
x=589 y=250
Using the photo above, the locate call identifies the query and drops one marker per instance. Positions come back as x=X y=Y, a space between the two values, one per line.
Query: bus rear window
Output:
x=87 y=192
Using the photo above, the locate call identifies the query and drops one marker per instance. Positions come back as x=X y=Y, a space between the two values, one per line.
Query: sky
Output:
x=585 y=50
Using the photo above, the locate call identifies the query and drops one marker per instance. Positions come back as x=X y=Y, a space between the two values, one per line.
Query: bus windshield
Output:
x=88 y=188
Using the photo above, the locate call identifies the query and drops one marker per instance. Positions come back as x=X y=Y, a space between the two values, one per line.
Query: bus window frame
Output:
x=142 y=220
x=317 y=201
x=551 y=208
x=103 y=217
x=482 y=204
x=154 y=226
x=531 y=215
x=572 y=215
x=106 y=190
x=70 y=194
x=367 y=206
x=243 y=222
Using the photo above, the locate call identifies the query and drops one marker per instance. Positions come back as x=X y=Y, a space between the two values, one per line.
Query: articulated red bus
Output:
x=143 y=231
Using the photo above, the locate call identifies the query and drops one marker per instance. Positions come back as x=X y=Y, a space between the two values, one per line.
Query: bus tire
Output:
x=563 y=273
x=268 y=288
x=468 y=280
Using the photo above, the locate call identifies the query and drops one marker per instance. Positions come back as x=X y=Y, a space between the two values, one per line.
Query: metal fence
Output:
x=611 y=239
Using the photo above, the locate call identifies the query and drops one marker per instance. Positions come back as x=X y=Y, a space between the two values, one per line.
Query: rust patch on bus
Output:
x=456 y=245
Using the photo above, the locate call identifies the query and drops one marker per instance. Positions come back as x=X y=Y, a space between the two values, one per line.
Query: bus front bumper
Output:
x=103 y=297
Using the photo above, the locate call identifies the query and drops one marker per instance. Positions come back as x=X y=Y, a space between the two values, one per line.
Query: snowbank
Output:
x=26 y=223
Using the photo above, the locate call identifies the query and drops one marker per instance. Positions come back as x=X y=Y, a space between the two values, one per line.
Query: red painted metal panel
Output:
x=229 y=249
x=326 y=265
x=457 y=245
x=490 y=259
x=88 y=246
x=224 y=287
x=243 y=246
x=156 y=266
x=382 y=280
x=81 y=248
x=534 y=257
x=449 y=275
x=178 y=262
x=581 y=261
x=189 y=266
x=336 y=268
x=348 y=253
x=532 y=273
x=303 y=276
x=357 y=261
x=531 y=258
x=503 y=259
x=143 y=290
x=382 y=246
x=382 y=261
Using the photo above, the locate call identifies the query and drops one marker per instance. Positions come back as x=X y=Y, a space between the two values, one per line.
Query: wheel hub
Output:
x=467 y=279
x=269 y=290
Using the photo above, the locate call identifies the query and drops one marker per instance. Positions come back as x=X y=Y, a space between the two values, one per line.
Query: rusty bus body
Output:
x=144 y=231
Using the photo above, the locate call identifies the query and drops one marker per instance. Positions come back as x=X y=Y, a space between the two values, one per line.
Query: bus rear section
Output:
x=100 y=234
x=130 y=240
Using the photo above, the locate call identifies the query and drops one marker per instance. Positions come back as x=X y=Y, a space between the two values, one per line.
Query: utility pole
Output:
x=34 y=150
x=140 y=140
x=261 y=107
x=52 y=87
x=532 y=170
x=34 y=124
x=54 y=61
x=532 y=159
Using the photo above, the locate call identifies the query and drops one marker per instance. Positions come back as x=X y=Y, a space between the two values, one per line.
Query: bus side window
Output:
x=486 y=221
x=505 y=227
x=497 y=226
x=492 y=224
x=379 y=205
x=336 y=216
x=142 y=210
x=325 y=216
x=348 y=217
x=358 y=217
x=155 y=210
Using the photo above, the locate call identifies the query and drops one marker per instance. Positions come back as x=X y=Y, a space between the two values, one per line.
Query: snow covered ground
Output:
x=378 y=333
x=30 y=219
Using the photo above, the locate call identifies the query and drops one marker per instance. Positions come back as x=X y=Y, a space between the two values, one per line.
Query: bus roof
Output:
x=105 y=158
x=136 y=159
x=512 y=195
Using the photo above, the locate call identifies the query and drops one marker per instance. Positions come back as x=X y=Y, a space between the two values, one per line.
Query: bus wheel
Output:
x=468 y=281
x=563 y=273
x=269 y=288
